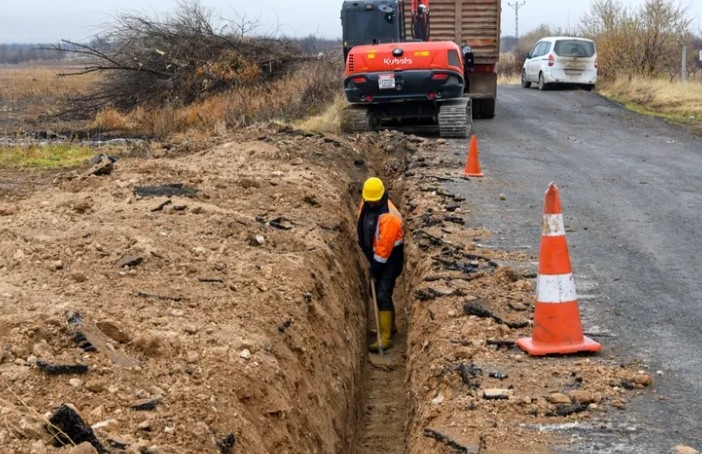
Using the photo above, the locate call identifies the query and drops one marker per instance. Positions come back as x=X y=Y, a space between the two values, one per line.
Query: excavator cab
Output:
x=371 y=22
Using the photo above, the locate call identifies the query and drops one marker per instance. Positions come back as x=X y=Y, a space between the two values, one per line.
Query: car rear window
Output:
x=574 y=48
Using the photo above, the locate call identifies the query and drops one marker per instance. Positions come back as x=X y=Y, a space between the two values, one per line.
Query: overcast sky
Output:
x=35 y=21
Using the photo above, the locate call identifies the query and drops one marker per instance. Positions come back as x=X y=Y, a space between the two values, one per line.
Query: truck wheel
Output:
x=484 y=108
x=525 y=82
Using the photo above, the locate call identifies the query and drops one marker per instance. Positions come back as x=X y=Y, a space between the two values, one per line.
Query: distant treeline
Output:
x=12 y=54
x=17 y=53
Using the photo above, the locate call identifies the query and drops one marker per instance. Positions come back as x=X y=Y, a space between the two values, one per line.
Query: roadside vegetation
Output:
x=45 y=156
x=186 y=75
x=639 y=54
x=190 y=72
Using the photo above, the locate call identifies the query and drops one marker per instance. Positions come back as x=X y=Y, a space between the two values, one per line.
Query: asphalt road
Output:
x=631 y=193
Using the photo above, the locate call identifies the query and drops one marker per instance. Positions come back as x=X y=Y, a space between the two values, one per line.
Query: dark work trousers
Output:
x=383 y=292
x=385 y=282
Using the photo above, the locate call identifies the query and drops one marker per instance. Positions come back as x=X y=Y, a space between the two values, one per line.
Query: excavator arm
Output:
x=420 y=19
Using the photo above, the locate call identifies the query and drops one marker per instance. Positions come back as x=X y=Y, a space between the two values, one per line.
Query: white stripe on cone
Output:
x=552 y=225
x=555 y=288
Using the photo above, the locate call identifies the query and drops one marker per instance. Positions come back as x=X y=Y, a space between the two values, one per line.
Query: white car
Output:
x=561 y=60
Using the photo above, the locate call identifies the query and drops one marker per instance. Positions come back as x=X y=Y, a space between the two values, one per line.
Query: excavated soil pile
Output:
x=472 y=389
x=215 y=301
x=197 y=302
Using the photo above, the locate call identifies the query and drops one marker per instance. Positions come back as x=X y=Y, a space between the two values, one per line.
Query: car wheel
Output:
x=589 y=87
x=542 y=82
x=525 y=82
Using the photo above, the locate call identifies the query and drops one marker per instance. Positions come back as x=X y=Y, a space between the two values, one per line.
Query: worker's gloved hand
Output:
x=375 y=270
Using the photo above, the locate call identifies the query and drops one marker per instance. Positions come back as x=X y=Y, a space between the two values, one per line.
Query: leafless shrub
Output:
x=643 y=42
x=178 y=61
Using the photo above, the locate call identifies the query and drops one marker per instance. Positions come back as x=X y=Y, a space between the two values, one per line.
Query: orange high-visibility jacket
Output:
x=389 y=232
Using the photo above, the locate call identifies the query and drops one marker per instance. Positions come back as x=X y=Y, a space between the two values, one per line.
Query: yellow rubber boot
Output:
x=394 y=325
x=385 y=321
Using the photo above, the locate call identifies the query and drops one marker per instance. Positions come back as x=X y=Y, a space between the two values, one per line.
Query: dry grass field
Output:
x=673 y=100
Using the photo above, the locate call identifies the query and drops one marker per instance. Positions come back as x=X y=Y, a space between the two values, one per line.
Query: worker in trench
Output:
x=381 y=234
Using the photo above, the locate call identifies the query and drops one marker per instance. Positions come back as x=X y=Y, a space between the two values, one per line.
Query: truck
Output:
x=412 y=63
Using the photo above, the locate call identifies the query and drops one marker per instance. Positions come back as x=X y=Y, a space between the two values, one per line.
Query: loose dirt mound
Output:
x=473 y=390
x=232 y=313
x=218 y=302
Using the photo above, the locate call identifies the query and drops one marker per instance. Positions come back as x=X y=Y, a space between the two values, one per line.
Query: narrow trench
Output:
x=384 y=410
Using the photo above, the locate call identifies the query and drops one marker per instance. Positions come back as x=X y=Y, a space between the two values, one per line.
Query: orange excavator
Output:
x=396 y=77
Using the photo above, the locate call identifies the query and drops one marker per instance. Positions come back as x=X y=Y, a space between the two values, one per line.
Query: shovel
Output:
x=377 y=320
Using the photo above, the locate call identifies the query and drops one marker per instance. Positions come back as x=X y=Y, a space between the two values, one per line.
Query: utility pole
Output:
x=515 y=6
x=683 y=69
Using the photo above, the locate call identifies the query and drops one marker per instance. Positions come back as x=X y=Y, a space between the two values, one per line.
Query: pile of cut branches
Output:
x=176 y=62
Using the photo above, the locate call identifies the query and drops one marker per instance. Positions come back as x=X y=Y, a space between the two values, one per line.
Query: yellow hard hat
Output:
x=373 y=189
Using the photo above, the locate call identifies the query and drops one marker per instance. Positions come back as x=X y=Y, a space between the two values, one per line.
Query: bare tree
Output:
x=635 y=42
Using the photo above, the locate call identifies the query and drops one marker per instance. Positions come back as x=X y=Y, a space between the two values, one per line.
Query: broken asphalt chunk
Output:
x=568 y=409
x=69 y=429
x=102 y=167
x=164 y=190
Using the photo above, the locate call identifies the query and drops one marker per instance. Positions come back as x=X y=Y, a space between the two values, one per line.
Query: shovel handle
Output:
x=377 y=320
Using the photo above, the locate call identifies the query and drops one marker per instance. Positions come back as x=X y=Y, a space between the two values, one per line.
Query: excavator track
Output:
x=455 y=118
x=355 y=119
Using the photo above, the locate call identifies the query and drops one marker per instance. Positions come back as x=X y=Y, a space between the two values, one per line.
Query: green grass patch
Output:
x=45 y=156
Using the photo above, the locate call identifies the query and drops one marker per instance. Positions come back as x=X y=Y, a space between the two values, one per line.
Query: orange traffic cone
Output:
x=557 y=327
x=472 y=164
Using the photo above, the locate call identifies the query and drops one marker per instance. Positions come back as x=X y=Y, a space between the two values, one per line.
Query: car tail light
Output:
x=358 y=80
x=597 y=65
x=440 y=76
x=551 y=60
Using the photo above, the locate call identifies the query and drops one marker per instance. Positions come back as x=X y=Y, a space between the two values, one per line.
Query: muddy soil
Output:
x=230 y=313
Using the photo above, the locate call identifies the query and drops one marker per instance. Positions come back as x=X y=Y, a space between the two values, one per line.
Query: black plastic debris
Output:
x=453 y=444
x=62 y=369
x=498 y=375
x=501 y=343
x=164 y=190
x=69 y=429
x=161 y=206
x=83 y=342
x=430 y=293
x=146 y=404
x=226 y=444
x=281 y=223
